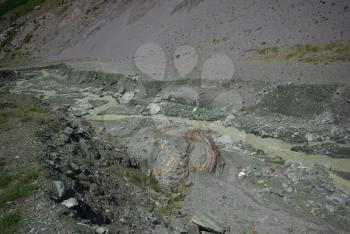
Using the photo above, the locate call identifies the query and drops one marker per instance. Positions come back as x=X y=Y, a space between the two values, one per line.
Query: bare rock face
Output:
x=204 y=154
x=172 y=153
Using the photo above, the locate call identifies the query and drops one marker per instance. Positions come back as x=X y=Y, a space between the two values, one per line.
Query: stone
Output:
x=68 y=131
x=292 y=163
x=310 y=137
x=174 y=152
x=127 y=98
x=153 y=108
x=60 y=188
x=242 y=174
x=155 y=220
x=188 y=183
x=226 y=140
x=79 y=112
x=208 y=222
x=330 y=208
x=101 y=230
x=70 y=203
x=276 y=191
x=178 y=226
x=83 y=104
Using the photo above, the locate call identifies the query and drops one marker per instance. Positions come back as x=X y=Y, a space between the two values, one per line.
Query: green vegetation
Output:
x=13 y=187
x=331 y=52
x=267 y=50
x=290 y=230
x=18 y=7
x=220 y=40
x=310 y=53
x=18 y=186
x=22 y=111
x=9 y=222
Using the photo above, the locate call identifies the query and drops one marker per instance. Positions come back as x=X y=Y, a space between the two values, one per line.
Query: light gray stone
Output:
x=153 y=108
x=70 y=203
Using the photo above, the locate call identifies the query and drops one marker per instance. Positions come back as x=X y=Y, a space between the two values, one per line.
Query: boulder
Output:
x=172 y=153
x=208 y=222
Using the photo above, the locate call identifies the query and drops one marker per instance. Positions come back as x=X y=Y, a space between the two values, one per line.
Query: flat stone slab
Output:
x=208 y=222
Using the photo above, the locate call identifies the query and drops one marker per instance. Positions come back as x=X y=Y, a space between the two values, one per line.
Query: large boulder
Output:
x=172 y=153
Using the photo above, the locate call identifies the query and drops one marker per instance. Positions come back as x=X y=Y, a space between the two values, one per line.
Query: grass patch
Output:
x=23 y=111
x=4 y=93
x=17 y=186
x=310 y=53
x=6 y=179
x=19 y=7
x=9 y=222
x=267 y=50
x=220 y=40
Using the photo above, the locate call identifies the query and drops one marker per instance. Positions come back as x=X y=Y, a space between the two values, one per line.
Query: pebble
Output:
x=242 y=174
x=68 y=131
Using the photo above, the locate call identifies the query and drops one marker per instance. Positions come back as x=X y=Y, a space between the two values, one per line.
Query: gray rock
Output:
x=79 y=112
x=292 y=163
x=208 y=222
x=153 y=108
x=127 y=98
x=226 y=140
x=101 y=230
x=83 y=104
x=70 y=203
x=68 y=131
x=178 y=226
x=188 y=183
x=310 y=137
x=59 y=185
x=276 y=191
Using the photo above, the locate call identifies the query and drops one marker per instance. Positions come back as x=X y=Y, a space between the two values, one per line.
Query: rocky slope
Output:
x=181 y=159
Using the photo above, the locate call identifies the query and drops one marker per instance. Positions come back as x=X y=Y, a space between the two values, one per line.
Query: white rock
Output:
x=71 y=202
x=226 y=140
x=153 y=108
x=59 y=188
x=127 y=97
x=101 y=230
x=310 y=137
x=242 y=174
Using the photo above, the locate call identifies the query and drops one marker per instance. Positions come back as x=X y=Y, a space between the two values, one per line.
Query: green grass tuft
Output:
x=9 y=222
x=19 y=7
x=17 y=186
